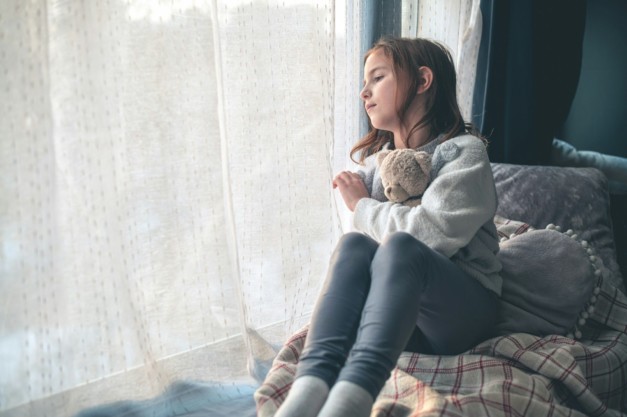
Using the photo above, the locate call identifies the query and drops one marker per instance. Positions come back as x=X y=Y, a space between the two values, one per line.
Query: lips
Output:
x=369 y=106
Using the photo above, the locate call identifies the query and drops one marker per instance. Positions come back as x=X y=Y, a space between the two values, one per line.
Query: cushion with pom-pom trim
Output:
x=549 y=280
x=573 y=198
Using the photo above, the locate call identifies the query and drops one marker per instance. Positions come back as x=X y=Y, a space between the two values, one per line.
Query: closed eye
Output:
x=375 y=79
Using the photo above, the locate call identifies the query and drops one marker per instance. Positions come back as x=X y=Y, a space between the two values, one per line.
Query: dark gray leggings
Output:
x=381 y=299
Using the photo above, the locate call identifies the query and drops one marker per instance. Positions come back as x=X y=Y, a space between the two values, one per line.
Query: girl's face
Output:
x=381 y=92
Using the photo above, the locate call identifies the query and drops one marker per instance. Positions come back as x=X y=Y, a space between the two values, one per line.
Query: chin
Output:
x=385 y=124
x=380 y=126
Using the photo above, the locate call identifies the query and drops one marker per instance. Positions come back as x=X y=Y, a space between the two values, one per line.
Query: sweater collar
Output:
x=429 y=147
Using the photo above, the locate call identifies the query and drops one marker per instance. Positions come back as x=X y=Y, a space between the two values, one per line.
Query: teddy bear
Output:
x=405 y=174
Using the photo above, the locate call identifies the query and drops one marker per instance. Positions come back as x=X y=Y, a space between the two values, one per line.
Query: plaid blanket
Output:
x=514 y=375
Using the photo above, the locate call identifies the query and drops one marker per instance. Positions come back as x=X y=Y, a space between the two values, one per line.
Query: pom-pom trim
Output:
x=588 y=308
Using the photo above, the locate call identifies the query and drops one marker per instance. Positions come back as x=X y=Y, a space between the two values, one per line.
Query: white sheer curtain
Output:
x=456 y=24
x=165 y=202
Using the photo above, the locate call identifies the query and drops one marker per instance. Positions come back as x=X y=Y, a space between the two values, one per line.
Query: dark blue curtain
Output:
x=527 y=75
x=378 y=18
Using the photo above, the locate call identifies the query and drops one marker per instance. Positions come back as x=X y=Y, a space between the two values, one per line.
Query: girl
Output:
x=424 y=279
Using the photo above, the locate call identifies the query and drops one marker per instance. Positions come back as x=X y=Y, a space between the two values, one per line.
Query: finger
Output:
x=354 y=176
x=352 y=179
x=341 y=177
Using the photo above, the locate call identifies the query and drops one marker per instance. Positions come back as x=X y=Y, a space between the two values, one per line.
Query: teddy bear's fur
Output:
x=405 y=174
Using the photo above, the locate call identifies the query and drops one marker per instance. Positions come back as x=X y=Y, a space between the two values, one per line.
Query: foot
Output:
x=305 y=399
x=347 y=399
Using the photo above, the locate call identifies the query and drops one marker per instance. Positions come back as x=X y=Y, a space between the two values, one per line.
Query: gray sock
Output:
x=347 y=399
x=306 y=397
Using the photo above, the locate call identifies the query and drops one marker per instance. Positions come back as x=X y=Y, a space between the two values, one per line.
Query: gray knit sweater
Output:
x=457 y=210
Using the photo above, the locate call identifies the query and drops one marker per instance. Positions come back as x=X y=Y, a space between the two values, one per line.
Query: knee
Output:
x=402 y=251
x=404 y=243
x=403 y=259
x=351 y=260
x=354 y=247
x=356 y=244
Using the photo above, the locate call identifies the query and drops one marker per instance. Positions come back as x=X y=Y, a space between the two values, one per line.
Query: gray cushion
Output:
x=573 y=198
x=548 y=280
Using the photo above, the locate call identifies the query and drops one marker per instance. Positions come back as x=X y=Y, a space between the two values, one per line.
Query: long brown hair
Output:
x=442 y=110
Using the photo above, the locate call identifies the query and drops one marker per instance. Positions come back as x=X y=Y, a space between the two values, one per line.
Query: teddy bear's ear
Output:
x=424 y=160
x=381 y=156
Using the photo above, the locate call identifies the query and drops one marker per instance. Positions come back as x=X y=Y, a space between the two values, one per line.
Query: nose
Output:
x=364 y=93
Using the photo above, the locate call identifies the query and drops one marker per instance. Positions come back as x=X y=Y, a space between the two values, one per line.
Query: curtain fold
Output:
x=530 y=59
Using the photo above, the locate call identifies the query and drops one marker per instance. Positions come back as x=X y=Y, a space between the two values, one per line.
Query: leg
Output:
x=401 y=270
x=338 y=311
x=412 y=285
x=456 y=312
x=333 y=326
x=387 y=323
x=418 y=343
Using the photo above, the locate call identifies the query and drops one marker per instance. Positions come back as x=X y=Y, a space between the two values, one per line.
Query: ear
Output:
x=424 y=161
x=426 y=79
x=381 y=156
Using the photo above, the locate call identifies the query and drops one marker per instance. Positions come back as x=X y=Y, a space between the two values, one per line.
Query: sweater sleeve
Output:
x=460 y=199
x=367 y=176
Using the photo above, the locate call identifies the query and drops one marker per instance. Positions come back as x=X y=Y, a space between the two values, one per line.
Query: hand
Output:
x=351 y=187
